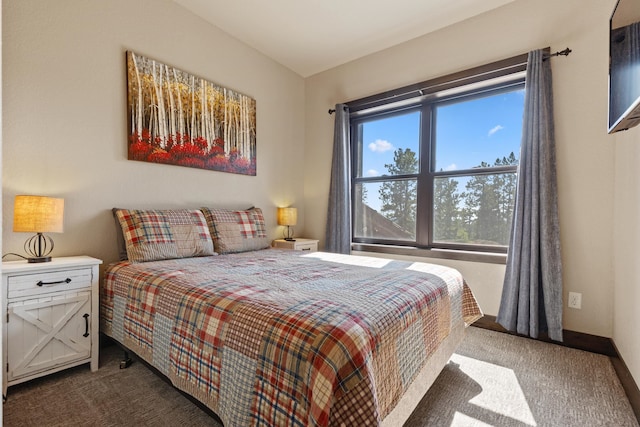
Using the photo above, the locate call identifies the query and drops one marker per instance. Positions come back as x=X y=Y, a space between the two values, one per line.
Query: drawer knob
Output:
x=41 y=283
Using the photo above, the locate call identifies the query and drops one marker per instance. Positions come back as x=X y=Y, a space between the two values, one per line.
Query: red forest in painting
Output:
x=179 y=119
x=182 y=151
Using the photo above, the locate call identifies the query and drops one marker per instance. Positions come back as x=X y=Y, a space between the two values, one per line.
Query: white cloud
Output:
x=451 y=167
x=495 y=129
x=372 y=172
x=380 y=146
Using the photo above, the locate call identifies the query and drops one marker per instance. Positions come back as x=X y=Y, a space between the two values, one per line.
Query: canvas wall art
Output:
x=180 y=119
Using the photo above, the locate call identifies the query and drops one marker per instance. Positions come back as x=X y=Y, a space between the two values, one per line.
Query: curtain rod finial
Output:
x=565 y=52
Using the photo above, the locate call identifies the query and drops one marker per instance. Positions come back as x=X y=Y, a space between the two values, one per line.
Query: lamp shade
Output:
x=38 y=214
x=287 y=216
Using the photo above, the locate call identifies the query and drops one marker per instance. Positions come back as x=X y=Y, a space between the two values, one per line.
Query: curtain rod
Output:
x=564 y=52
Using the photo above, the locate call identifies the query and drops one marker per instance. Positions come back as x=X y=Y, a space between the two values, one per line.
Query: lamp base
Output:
x=39 y=259
x=288 y=234
x=39 y=247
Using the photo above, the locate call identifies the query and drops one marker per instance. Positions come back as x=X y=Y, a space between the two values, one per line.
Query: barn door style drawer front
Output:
x=48 y=332
x=53 y=281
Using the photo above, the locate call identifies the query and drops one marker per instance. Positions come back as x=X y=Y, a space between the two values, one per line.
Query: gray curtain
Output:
x=338 y=234
x=532 y=291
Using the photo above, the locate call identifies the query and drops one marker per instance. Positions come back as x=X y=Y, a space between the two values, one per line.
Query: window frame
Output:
x=498 y=77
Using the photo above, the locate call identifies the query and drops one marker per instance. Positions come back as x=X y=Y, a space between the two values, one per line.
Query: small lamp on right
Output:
x=288 y=217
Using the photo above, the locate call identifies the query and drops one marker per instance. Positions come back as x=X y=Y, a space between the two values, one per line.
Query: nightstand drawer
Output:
x=309 y=247
x=299 y=244
x=52 y=281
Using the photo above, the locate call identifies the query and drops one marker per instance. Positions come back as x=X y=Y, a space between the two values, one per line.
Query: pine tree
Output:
x=482 y=214
x=399 y=197
x=506 y=193
x=490 y=199
x=481 y=196
x=447 y=221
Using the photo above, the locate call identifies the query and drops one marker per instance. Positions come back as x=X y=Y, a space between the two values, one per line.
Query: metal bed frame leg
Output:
x=126 y=360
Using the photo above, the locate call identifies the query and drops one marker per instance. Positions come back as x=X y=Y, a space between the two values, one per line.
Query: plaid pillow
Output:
x=236 y=231
x=152 y=235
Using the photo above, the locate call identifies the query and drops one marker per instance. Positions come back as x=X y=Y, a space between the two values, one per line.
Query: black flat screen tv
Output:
x=624 y=66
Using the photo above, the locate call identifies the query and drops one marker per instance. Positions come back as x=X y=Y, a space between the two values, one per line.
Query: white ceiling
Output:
x=310 y=36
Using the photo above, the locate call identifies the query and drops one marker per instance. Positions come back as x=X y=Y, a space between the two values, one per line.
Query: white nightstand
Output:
x=299 y=244
x=49 y=317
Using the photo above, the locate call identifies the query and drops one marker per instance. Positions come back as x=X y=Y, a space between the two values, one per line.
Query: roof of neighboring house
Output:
x=377 y=225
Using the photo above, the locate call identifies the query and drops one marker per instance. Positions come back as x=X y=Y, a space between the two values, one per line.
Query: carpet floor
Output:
x=494 y=379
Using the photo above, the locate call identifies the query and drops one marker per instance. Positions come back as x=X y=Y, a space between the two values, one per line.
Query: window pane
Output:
x=474 y=210
x=479 y=132
x=390 y=145
x=386 y=210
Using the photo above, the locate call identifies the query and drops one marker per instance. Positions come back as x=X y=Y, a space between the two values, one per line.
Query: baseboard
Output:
x=586 y=342
x=578 y=340
x=628 y=383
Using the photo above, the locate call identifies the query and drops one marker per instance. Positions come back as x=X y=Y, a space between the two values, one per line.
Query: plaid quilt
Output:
x=277 y=338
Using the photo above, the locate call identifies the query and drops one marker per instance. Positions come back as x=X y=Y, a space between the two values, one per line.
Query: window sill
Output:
x=458 y=255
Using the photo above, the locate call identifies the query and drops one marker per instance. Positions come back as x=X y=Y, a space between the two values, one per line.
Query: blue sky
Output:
x=467 y=133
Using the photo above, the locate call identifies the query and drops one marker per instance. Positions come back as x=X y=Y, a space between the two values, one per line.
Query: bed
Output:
x=277 y=337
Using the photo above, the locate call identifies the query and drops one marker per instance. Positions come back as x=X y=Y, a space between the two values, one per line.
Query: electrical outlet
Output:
x=575 y=300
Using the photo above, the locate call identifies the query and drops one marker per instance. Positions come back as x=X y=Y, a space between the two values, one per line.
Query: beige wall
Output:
x=65 y=132
x=627 y=249
x=585 y=152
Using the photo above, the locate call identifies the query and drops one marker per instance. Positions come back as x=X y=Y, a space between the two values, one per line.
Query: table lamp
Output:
x=38 y=214
x=288 y=217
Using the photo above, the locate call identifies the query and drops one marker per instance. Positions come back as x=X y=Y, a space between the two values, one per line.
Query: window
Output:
x=438 y=169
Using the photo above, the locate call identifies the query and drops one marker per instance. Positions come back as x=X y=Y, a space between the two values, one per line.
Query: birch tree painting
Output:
x=180 y=119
